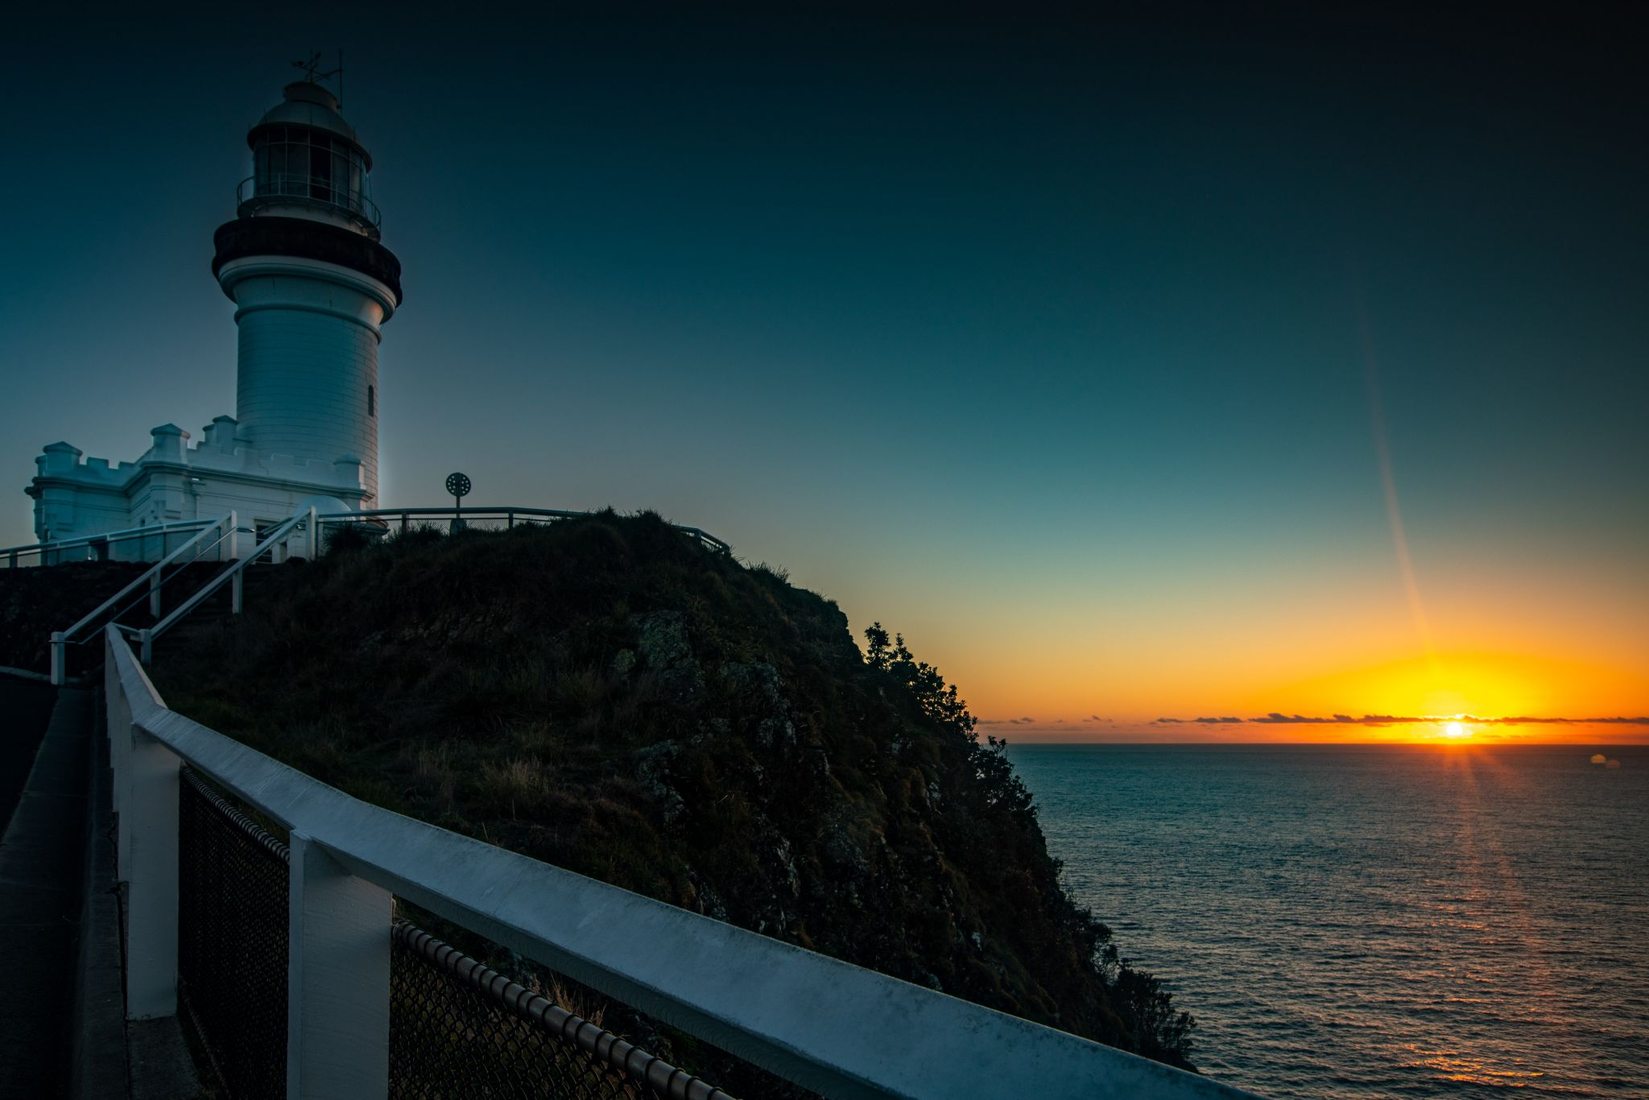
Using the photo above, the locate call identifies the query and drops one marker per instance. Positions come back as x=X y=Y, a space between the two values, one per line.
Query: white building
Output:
x=312 y=286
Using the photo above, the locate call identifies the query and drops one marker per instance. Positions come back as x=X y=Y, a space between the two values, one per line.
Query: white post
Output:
x=146 y=645
x=337 y=1001
x=314 y=530
x=236 y=595
x=154 y=594
x=60 y=658
x=233 y=520
x=152 y=878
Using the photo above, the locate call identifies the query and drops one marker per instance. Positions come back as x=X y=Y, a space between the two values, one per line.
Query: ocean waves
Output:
x=1368 y=922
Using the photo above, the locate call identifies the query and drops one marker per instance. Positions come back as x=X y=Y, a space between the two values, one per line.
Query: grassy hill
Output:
x=35 y=602
x=607 y=695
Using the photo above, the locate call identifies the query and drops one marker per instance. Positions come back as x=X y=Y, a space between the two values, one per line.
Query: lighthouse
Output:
x=304 y=262
x=312 y=284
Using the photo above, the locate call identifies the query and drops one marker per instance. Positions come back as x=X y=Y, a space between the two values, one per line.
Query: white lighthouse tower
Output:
x=313 y=285
x=303 y=263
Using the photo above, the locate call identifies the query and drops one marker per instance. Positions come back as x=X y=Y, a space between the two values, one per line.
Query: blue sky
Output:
x=1012 y=332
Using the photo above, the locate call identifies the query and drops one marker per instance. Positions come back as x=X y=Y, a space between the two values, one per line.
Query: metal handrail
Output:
x=825 y=1024
x=151 y=576
x=233 y=573
x=498 y=990
x=508 y=512
x=154 y=576
x=152 y=571
x=125 y=534
x=604 y=1047
x=289 y=187
x=154 y=596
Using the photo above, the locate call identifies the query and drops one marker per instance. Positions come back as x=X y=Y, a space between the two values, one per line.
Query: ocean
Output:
x=1374 y=921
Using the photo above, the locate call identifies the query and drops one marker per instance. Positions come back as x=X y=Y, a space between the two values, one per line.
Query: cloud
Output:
x=1096 y=718
x=1007 y=721
x=1278 y=718
x=1640 y=720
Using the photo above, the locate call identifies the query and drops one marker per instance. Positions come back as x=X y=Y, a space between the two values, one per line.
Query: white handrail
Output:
x=220 y=522
x=825 y=1024
x=61 y=639
x=507 y=511
x=274 y=537
x=449 y=510
x=125 y=534
x=11 y=553
x=279 y=537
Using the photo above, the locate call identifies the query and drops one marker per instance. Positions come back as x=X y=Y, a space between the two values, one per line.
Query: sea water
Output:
x=1374 y=921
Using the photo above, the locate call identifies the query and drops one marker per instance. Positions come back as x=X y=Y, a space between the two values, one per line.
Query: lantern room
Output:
x=307 y=162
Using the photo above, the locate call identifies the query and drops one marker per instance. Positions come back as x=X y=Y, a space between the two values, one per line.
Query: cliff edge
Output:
x=607 y=695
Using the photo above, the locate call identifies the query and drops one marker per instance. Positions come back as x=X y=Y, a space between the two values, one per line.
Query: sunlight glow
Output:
x=1456 y=729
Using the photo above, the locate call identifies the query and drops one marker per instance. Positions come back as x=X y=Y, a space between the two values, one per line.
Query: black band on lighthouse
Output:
x=311 y=240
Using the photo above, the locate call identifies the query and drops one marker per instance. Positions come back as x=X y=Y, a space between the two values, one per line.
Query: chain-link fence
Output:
x=457 y=1027
x=232 y=939
x=460 y=1028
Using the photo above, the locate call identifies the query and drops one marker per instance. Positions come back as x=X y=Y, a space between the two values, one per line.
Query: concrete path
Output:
x=42 y=859
x=63 y=1032
x=25 y=708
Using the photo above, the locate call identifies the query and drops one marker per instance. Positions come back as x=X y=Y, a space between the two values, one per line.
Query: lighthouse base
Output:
x=75 y=496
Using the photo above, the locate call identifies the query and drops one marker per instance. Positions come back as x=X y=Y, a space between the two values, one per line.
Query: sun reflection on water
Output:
x=1462 y=1068
x=1447 y=921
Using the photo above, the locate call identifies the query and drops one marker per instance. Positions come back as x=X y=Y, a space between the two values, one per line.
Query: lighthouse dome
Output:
x=311 y=105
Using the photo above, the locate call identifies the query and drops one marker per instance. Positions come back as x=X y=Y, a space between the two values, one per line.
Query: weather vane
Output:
x=312 y=73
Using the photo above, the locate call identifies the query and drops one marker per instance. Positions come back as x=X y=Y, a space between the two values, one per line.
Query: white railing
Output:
x=290 y=188
x=829 y=1026
x=482 y=516
x=275 y=544
x=307 y=529
x=209 y=540
x=130 y=544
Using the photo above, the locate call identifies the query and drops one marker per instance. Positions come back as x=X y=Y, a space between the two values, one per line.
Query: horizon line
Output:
x=1278 y=718
x=1452 y=743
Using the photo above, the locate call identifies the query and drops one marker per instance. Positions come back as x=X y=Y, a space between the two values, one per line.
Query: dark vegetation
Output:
x=609 y=696
x=34 y=602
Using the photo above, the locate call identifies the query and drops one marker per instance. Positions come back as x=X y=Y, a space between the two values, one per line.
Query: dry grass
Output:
x=523 y=782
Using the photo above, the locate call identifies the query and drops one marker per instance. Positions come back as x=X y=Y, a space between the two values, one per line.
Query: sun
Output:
x=1455 y=729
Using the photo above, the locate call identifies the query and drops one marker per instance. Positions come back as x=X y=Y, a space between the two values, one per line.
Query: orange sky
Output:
x=1070 y=651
